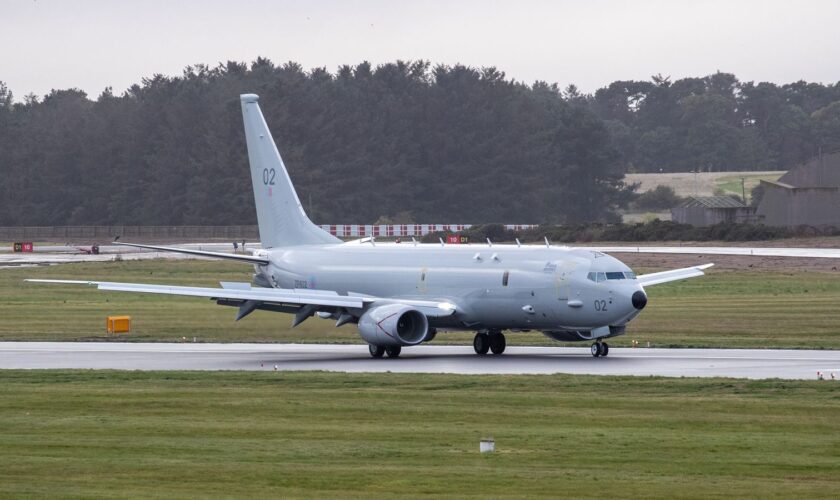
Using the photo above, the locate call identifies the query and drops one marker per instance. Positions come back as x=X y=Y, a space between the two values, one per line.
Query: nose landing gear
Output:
x=600 y=349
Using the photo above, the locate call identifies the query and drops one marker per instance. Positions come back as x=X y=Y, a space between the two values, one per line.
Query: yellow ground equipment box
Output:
x=119 y=324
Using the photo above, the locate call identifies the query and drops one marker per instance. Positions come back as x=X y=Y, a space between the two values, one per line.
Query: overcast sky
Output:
x=93 y=44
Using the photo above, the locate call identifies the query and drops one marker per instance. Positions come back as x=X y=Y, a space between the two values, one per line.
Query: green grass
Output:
x=732 y=184
x=722 y=309
x=270 y=434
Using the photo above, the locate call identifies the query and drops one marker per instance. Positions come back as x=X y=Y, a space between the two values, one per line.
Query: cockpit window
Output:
x=597 y=277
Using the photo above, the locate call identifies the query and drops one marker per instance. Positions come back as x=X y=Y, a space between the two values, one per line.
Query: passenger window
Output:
x=505 y=278
x=615 y=276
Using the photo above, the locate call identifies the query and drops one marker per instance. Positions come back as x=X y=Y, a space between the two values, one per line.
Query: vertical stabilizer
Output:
x=280 y=216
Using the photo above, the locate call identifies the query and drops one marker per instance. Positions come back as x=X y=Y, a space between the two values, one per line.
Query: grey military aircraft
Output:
x=403 y=294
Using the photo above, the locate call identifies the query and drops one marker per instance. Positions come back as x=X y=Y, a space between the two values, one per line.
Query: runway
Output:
x=740 y=363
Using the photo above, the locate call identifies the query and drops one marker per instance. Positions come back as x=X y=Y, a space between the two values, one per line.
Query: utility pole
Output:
x=743 y=191
x=695 y=181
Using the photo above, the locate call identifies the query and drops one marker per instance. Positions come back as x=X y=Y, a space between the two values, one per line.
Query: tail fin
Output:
x=280 y=216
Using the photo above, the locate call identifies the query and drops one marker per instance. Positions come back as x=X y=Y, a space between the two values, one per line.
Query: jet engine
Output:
x=392 y=325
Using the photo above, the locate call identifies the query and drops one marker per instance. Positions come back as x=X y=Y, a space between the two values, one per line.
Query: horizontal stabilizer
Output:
x=214 y=255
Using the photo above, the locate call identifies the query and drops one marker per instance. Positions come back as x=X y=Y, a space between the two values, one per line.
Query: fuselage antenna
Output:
x=441 y=241
x=489 y=243
x=547 y=244
x=517 y=242
x=413 y=241
x=373 y=240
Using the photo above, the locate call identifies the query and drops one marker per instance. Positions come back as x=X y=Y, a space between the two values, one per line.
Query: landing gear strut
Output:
x=600 y=349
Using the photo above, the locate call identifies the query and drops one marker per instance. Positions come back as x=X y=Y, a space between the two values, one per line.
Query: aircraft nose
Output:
x=639 y=300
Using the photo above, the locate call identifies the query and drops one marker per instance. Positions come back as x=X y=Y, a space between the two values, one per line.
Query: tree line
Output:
x=716 y=123
x=398 y=142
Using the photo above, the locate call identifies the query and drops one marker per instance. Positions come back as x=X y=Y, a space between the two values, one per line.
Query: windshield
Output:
x=614 y=275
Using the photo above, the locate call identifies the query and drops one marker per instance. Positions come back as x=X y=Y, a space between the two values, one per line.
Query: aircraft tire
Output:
x=393 y=351
x=595 y=350
x=481 y=343
x=497 y=343
x=376 y=351
x=605 y=349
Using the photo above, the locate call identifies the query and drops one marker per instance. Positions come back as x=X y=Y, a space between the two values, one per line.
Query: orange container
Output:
x=118 y=324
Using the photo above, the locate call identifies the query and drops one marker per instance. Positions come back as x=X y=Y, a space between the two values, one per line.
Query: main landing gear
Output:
x=377 y=351
x=494 y=342
x=600 y=349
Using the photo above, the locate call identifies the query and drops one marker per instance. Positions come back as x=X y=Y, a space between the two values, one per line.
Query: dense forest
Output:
x=405 y=142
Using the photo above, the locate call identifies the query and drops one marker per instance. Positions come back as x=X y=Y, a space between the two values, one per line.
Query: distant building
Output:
x=808 y=194
x=710 y=210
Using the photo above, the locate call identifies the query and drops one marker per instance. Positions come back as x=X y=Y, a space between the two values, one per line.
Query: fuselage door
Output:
x=564 y=283
x=422 y=282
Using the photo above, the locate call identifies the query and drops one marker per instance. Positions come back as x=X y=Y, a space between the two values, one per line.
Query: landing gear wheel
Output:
x=393 y=351
x=376 y=351
x=431 y=335
x=497 y=343
x=605 y=349
x=595 y=349
x=481 y=343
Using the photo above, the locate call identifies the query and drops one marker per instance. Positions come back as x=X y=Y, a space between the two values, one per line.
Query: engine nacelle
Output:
x=393 y=324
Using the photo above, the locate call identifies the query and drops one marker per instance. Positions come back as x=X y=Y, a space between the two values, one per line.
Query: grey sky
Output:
x=92 y=44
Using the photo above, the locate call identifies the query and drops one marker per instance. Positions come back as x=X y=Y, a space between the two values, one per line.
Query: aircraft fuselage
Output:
x=495 y=287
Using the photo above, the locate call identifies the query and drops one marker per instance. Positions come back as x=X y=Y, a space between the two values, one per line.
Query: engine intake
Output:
x=393 y=324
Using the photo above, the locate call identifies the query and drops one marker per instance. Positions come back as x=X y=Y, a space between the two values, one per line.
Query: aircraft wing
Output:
x=672 y=275
x=283 y=296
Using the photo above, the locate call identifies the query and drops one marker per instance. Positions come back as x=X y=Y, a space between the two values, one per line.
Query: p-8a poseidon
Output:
x=402 y=294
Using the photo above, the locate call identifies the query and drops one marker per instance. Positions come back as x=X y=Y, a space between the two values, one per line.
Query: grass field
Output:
x=688 y=184
x=182 y=434
x=732 y=184
x=722 y=309
x=703 y=183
